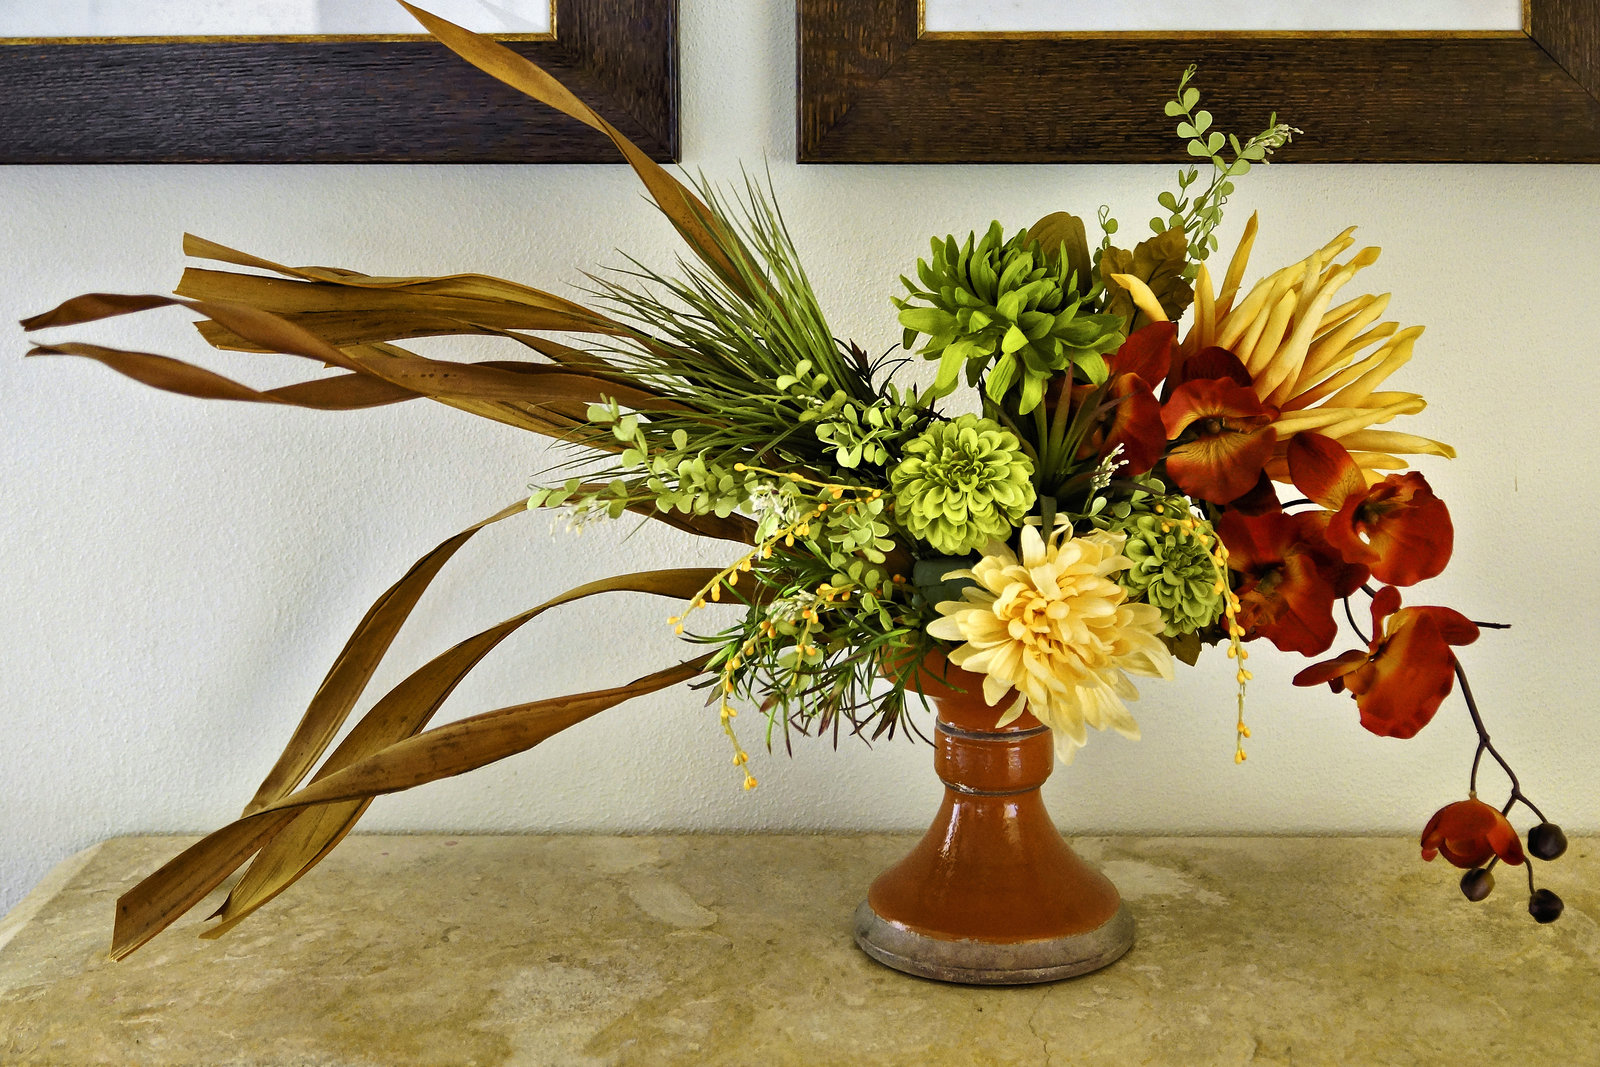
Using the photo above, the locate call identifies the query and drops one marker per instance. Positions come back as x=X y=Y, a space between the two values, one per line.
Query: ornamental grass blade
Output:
x=467 y=744
x=734 y=527
x=346 y=309
x=401 y=713
x=532 y=383
x=273 y=333
x=355 y=665
x=452 y=749
x=695 y=222
x=157 y=901
x=92 y=307
x=468 y=286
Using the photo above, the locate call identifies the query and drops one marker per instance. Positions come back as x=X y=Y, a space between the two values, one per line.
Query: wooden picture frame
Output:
x=340 y=99
x=873 y=88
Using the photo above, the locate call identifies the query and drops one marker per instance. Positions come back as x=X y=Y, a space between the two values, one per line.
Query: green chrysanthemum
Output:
x=1010 y=309
x=962 y=484
x=1171 y=568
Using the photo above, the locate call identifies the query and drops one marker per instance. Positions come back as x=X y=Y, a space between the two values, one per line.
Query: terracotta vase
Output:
x=992 y=895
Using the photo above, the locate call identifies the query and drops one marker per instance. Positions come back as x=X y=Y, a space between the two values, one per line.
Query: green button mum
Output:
x=962 y=484
x=1171 y=569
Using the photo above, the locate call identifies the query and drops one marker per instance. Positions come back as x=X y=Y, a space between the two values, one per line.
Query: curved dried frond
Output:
x=400 y=714
x=443 y=752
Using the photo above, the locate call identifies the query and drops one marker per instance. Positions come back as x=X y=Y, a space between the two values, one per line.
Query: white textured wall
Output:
x=177 y=575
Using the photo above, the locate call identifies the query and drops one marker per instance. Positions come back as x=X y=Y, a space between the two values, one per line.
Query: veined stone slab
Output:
x=577 y=950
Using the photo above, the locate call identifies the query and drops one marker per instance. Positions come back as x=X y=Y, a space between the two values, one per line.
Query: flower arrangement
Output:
x=1114 y=503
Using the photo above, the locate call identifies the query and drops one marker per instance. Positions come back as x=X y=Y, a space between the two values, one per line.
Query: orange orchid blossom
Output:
x=1396 y=526
x=1288 y=579
x=1468 y=832
x=1406 y=672
x=1304 y=357
x=1221 y=434
x=1132 y=418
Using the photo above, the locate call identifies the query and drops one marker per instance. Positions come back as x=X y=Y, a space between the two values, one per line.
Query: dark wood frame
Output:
x=874 y=89
x=340 y=99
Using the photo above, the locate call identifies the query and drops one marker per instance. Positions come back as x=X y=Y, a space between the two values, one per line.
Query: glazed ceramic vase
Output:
x=992 y=895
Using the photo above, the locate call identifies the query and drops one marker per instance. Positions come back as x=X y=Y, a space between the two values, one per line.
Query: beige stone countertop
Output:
x=698 y=949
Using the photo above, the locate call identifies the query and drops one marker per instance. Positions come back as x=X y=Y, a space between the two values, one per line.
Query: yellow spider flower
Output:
x=1319 y=366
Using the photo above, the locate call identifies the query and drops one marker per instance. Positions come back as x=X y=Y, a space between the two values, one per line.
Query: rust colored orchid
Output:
x=1468 y=832
x=1407 y=670
x=1221 y=432
x=1396 y=526
x=1288 y=579
x=1134 y=423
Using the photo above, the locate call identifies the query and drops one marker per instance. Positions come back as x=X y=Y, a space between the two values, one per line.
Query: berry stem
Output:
x=1485 y=745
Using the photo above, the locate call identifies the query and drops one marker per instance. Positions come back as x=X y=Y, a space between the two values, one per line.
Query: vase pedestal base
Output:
x=992 y=894
x=992 y=963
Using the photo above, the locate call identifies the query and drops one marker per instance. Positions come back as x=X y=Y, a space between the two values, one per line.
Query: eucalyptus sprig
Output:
x=1199 y=215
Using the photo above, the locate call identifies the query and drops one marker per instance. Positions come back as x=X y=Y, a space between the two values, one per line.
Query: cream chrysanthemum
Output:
x=1056 y=629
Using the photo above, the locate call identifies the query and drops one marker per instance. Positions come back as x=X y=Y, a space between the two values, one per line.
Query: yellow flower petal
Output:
x=1143 y=298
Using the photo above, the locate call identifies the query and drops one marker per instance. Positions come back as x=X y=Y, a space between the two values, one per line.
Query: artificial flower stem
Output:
x=998 y=414
x=1485 y=745
x=1348 y=614
x=1045 y=465
x=1082 y=419
x=1060 y=457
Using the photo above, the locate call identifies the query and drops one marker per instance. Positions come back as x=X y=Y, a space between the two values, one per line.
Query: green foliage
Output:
x=962 y=484
x=857 y=432
x=584 y=499
x=1062 y=237
x=760 y=366
x=694 y=485
x=1198 y=213
x=811 y=650
x=1108 y=226
x=855 y=539
x=1009 y=313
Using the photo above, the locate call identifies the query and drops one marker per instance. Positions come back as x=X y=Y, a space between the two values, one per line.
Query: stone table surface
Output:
x=700 y=949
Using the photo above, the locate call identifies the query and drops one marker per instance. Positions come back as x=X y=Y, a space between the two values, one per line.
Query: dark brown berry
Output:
x=1546 y=841
x=1476 y=884
x=1545 y=906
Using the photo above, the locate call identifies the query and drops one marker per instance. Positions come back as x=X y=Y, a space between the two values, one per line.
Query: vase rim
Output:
x=963 y=704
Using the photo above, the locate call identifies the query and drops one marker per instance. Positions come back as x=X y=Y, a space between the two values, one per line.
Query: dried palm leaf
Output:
x=403 y=712
x=439 y=379
x=355 y=665
x=695 y=222
x=443 y=752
